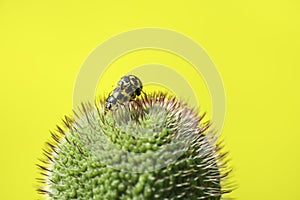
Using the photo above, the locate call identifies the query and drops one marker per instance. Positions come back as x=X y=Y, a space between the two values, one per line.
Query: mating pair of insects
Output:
x=127 y=89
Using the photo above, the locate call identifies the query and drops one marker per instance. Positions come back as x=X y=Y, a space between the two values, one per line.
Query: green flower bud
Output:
x=155 y=147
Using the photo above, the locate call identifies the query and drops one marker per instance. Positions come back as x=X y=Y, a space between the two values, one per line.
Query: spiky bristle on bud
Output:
x=155 y=147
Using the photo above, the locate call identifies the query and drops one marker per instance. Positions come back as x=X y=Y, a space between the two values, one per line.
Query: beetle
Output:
x=128 y=87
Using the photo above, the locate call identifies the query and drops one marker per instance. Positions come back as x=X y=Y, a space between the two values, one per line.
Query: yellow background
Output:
x=255 y=45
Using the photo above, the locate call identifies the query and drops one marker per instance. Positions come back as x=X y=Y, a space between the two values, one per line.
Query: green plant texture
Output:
x=155 y=147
